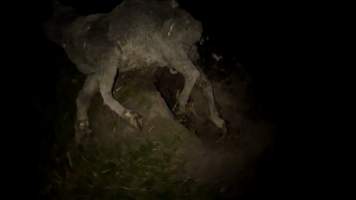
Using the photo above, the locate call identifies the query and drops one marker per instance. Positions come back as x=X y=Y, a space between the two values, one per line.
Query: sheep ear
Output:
x=174 y=4
x=56 y=4
x=59 y=8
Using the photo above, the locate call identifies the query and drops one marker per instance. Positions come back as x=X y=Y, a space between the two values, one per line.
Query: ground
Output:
x=173 y=157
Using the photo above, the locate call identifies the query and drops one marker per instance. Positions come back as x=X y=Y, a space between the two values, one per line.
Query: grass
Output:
x=147 y=170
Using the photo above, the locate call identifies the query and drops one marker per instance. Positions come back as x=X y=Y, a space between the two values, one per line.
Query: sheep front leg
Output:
x=106 y=85
x=179 y=60
x=209 y=94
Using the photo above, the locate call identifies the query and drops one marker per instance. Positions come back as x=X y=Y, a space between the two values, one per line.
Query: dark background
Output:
x=273 y=41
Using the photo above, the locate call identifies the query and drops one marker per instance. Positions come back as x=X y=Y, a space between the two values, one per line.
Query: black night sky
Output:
x=266 y=38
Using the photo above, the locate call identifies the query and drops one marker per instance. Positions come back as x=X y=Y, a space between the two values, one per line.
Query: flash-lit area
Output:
x=156 y=99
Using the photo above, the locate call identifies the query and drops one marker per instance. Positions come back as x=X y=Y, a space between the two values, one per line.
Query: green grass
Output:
x=134 y=168
x=150 y=170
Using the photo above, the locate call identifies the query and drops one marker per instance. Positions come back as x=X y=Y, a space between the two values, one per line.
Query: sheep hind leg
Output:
x=82 y=126
x=209 y=94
